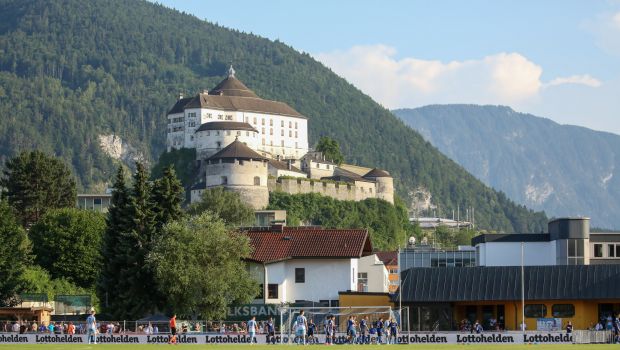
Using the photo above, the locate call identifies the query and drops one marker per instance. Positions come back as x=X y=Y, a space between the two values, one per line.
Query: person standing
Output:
x=173 y=329
x=329 y=330
x=380 y=331
x=252 y=329
x=363 y=330
x=569 y=327
x=91 y=326
x=394 y=332
x=311 y=331
x=271 y=332
x=302 y=325
x=71 y=328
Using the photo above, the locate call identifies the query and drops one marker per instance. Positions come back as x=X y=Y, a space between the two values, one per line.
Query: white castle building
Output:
x=254 y=146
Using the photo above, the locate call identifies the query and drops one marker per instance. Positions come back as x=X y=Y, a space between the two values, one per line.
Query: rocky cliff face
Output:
x=118 y=149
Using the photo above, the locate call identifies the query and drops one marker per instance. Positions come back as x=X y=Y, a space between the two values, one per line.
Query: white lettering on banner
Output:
x=341 y=338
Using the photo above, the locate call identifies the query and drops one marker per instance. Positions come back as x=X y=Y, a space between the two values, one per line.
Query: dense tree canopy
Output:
x=34 y=182
x=73 y=70
x=226 y=205
x=387 y=224
x=15 y=249
x=67 y=243
x=330 y=149
x=198 y=266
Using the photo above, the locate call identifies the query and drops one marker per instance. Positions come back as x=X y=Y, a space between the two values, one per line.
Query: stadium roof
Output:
x=451 y=284
x=285 y=243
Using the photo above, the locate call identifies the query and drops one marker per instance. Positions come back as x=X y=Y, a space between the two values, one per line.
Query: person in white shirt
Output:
x=302 y=325
x=148 y=329
x=16 y=327
x=252 y=329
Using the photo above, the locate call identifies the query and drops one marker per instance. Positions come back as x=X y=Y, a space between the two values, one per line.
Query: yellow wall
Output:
x=586 y=312
x=365 y=299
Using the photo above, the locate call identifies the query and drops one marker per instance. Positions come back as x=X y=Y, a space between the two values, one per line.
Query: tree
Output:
x=34 y=183
x=139 y=293
x=15 y=255
x=226 y=205
x=198 y=266
x=168 y=194
x=330 y=149
x=118 y=224
x=37 y=280
x=67 y=243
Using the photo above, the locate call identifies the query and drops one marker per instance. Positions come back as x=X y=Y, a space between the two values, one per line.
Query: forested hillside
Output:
x=565 y=170
x=71 y=71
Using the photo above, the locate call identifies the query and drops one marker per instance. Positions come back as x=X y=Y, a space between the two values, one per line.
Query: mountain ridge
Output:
x=564 y=169
x=72 y=71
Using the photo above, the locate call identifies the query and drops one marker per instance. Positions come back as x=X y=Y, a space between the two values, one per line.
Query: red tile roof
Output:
x=388 y=258
x=308 y=242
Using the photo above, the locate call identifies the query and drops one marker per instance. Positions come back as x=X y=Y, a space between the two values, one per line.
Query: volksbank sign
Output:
x=215 y=338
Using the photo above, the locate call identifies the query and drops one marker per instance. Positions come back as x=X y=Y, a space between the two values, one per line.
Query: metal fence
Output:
x=593 y=337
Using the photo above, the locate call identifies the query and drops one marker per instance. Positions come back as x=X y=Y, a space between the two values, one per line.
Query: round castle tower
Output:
x=240 y=169
x=385 y=184
x=212 y=137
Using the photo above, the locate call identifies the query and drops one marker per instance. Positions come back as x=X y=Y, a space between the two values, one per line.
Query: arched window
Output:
x=256 y=181
x=224 y=180
x=219 y=144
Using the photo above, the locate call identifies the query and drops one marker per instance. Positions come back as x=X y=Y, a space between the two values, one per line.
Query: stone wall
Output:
x=340 y=191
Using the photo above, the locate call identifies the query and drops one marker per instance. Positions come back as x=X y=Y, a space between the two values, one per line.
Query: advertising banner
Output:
x=549 y=324
x=214 y=338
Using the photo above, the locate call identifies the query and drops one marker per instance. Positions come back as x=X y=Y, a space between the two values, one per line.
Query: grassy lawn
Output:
x=266 y=347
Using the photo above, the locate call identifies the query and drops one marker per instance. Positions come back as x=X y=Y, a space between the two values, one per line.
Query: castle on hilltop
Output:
x=254 y=146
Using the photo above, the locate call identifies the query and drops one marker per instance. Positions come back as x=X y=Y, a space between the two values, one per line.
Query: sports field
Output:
x=267 y=347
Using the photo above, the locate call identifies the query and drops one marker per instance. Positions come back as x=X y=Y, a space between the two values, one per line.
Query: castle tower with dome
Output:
x=254 y=146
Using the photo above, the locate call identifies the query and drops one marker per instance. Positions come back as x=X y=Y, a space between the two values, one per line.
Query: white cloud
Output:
x=586 y=80
x=616 y=20
x=503 y=78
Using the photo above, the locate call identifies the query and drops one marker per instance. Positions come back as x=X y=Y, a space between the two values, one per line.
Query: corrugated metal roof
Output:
x=449 y=284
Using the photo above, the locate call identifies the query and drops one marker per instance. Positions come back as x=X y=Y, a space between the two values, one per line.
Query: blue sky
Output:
x=556 y=59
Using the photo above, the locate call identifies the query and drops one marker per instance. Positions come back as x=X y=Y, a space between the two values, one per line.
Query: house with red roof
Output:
x=306 y=264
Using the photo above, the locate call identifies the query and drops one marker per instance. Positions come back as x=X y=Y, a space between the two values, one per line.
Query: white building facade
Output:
x=282 y=131
x=373 y=275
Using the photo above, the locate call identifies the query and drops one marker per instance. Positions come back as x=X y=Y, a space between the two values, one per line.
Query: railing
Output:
x=593 y=337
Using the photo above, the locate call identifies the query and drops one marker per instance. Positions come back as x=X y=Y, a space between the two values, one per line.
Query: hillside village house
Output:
x=306 y=264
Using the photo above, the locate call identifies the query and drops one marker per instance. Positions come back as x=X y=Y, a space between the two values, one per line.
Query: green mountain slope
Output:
x=72 y=70
x=563 y=169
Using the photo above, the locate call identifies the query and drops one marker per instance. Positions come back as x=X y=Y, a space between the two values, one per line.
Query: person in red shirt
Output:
x=173 y=329
x=71 y=328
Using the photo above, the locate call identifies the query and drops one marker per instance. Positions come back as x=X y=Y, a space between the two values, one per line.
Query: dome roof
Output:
x=376 y=172
x=232 y=86
x=227 y=125
x=237 y=150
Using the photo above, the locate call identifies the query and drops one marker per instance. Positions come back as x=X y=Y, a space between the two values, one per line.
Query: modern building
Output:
x=568 y=242
x=96 y=202
x=373 y=275
x=441 y=298
x=306 y=264
x=266 y=218
x=390 y=260
x=429 y=256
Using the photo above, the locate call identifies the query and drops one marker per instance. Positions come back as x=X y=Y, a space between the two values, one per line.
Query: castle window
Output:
x=282 y=123
x=254 y=120
x=263 y=142
x=209 y=115
x=290 y=124
x=224 y=180
x=229 y=117
x=217 y=133
x=219 y=144
x=327 y=166
x=282 y=143
x=370 y=190
x=290 y=133
x=263 y=131
x=247 y=133
x=208 y=133
x=191 y=138
x=239 y=133
x=271 y=144
x=263 y=121
x=295 y=126
x=256 y=181
x=318 y=166
x=295 y=134
x=270 y=122
x=270 y=131
x=282 y=132
x=296 y=145
x=220 y=117
x=227 y=132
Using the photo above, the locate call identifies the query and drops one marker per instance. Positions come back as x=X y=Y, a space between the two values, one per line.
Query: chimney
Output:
x=205 y=91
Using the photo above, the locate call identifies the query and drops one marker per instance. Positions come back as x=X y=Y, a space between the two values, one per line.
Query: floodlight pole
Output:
x=522 y=288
